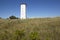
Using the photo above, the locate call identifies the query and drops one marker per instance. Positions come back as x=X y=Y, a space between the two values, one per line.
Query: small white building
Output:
x=23 y=11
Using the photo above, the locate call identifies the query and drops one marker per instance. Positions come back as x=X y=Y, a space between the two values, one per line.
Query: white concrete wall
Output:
x=23 y=11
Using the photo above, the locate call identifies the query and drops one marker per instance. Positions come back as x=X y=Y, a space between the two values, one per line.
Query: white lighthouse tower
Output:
x=23 y=11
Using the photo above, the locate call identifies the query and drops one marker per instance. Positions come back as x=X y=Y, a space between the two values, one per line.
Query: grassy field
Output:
x=30 y=29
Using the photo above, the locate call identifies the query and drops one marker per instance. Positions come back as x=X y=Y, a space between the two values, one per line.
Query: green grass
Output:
x=30 y=29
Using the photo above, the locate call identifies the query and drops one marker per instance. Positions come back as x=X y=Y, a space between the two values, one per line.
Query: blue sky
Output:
x=35 y=8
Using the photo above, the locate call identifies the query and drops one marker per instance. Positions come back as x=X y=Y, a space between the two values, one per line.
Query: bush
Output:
x=13 y=17
x=19 y=34
x=0 y=18
x=34 y=36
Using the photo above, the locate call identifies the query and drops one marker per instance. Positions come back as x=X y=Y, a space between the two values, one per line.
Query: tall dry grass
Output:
x=30 y=29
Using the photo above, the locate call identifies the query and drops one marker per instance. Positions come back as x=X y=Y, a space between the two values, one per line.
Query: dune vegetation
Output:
x=30 y=29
